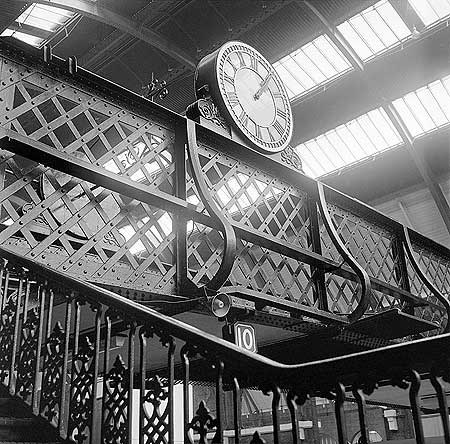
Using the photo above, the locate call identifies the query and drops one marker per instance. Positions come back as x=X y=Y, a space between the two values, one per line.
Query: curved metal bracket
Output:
x=434 y=290
x=364 y=280
x=229 y=236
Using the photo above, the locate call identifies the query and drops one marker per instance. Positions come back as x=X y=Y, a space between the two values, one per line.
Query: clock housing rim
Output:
x=207 y=72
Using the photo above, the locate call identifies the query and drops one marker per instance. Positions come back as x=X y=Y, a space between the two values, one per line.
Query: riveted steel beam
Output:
x=109 y=17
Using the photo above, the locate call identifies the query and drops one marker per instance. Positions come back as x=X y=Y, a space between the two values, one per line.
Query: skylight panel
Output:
x=431 y=11
x=427 y=108
x=349 y=143
x=374 y=30
x=41 y=17
x=27 y=38
x=312 y=65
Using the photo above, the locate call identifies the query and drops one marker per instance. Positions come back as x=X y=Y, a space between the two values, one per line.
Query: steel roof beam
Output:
x=337 y=38
x=109 y=17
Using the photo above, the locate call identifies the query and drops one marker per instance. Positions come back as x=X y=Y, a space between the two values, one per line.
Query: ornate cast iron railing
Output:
x=97 y=183
x=60 y=354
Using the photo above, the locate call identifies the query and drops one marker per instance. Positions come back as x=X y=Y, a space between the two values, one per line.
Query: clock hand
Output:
x=263 y=86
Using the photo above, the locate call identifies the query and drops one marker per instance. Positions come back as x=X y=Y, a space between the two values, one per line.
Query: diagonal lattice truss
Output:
x=76 y=226
x=90 y=232
x=437 y=269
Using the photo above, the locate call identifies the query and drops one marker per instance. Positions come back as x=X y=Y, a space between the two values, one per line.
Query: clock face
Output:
x=254 y=96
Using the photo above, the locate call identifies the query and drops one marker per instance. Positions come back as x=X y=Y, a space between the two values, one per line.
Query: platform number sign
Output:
x=244 y=337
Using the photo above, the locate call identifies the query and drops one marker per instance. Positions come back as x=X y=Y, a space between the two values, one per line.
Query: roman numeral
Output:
x=278 y=127
x=232 y=98
x=253 y=63
x=277 y=95
x=243 y=117
x=281 y=113
x=241 y=58
x=258 y=132
x=228 y=79
x=272 y=139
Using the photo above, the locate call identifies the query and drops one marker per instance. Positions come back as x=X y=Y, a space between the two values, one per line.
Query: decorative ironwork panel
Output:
x=371 y=246
x=26 y=365
x=116 y=397
x=263 y=270
x=204 y=251
x=155 y=411
x=52 y=379
x=79 y=227
x=81 y=403
x=342 y=294
x=87 y=125
x=7 y=326
x=368 y=243
x=437 y=269
x=110 y=238
x=256 y=199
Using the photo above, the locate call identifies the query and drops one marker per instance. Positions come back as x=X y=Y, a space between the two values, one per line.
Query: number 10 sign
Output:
x=244 y=336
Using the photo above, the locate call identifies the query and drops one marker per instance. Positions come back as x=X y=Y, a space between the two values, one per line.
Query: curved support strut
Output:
x=364 y=280
x=424 y=278
x=229 y=236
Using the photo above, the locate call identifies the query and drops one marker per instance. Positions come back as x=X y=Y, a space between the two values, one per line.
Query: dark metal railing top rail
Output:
x=61 y=356
x=281 y=234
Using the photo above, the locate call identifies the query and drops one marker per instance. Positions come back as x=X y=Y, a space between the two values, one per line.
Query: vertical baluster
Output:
x=415 y=406
x=40 y=333
x=443 y=405
x=95 y=421
x=218 y=436
x=276 y=414
x=340 y=414
x=131 y=344
x=3 y=265
x=26 y=300
x=236 y=411
x=171 y=381
x=63 y=406
x=76 y=343
x=292 y=405
x=50 y=312
x=15 y=339
x=105 y=372
x=5 y=288
x=186 y=412
x=75 y=350
x=361 y=402
x=142 y=370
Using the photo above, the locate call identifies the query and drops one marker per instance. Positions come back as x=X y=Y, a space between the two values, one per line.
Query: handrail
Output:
x=364 y=289
x=424 y=278
x=229 y=236
x=259 y=367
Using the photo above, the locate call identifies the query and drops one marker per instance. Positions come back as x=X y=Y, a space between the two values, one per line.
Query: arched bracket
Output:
x=418 y=269
x=364 y=289
x=229 y=236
